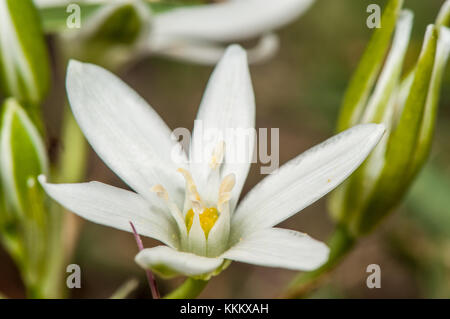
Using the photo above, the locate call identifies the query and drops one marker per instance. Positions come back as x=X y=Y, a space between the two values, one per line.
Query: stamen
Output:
x=160 y=192
x=227 y=184
x=225 y=191
x=192 y=192
x=173 y=208
x=190 y=184
x=217 y=155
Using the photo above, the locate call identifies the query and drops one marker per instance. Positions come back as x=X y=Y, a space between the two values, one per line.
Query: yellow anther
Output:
x=223 y=199
x=225 y=190
x=207 y=219
x=160 y=191
x=227 y=184
x=217 y=155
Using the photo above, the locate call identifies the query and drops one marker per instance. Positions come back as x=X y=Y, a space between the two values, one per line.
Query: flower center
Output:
x=207 y=219
x=203 y=217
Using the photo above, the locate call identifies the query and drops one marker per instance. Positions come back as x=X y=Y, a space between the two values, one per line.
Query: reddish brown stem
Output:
x=150 y=276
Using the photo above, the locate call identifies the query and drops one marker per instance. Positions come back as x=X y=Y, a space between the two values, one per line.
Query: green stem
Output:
x=190 y=289
x=340 y=243
x=72 y=165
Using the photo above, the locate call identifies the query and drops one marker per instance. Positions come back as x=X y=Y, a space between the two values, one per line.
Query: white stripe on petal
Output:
x=226 y=114
x=123 y=129
x=115 y=207
x=170 y=262
x=283 y=248
x=305 y=179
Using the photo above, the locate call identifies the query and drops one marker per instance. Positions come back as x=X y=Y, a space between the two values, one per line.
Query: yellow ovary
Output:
x=207 y=219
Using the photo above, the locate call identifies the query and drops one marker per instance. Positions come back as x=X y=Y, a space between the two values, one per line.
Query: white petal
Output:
x=228 y=21
x=115 y=207
x=228 y=109
x=196 y=237
x=123 y=129
x=209 y=53
x=305 y=179
x=218 y=236
x=169 y=262
x=283 y=248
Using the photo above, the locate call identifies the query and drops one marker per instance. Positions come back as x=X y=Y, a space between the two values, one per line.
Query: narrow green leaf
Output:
x=365 y=75
x=24 y=64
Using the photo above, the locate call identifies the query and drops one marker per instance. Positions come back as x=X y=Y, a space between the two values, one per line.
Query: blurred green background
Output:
x=299 y=92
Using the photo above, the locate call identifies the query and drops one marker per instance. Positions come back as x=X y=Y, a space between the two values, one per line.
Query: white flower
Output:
x=198 y=33
x=192 y=207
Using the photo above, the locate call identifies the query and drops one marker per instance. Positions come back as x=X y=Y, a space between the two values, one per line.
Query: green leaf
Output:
x=363 y=79
x=24 y=64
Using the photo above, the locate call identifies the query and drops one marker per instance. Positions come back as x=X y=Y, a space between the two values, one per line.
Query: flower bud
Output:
x=407 y=107
x=24 y=65
x=111 y=33
x=24 y=216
